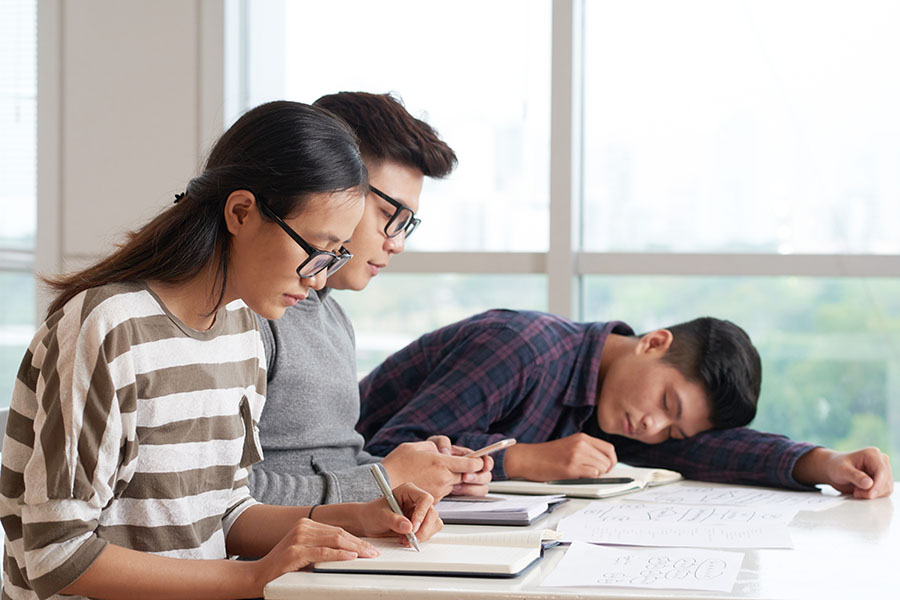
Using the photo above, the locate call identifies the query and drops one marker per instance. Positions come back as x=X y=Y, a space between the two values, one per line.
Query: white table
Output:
x=848 y=551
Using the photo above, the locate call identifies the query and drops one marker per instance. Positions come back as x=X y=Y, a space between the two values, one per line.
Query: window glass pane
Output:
x=479 y=72
x=16 y=326
x=18 y=123
x=395 y=309
x=766 y=126
x=18 y=192
x=830 y=347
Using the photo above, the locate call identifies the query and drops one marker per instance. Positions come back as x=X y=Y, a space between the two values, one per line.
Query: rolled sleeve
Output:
x=740 y=455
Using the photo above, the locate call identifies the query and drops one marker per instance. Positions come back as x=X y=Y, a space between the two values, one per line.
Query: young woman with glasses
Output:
x=313 y=453
x=133 y=420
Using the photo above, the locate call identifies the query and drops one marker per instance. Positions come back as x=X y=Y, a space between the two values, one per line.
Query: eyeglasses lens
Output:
x=315 y=265
x=400 y=222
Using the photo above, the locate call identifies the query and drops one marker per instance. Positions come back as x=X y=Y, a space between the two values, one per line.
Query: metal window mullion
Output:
x=49 y=242
x=738 y=265
x=565 y=160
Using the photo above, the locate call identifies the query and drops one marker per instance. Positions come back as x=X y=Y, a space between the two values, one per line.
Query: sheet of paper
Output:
x=669 y=568
x=674 y=526
x=736 y=496
x=680 y=536
x=641 y=512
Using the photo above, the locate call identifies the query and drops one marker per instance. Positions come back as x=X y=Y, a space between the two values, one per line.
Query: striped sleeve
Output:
x=251 y=409
x=76 y=393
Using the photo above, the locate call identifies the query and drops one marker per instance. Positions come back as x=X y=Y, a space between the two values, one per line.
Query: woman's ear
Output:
x=655 y=342
x=239 y=208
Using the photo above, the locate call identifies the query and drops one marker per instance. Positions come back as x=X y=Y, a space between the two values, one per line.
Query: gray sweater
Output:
x=312 y=453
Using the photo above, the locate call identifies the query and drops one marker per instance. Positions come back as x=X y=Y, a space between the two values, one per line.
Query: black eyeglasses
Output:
x=318 y=260
x=402 y=221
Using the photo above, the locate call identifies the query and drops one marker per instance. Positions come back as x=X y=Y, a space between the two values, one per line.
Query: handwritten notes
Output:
x=681 y=513
x=671 y=568
x=736 y=496
x=594 y=525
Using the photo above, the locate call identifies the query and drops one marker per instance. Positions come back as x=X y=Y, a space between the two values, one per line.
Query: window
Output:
x=732 y=159
x=488 y=97
x=829 y=346
x=409 y=305
x=741 y=127
x=18 y=171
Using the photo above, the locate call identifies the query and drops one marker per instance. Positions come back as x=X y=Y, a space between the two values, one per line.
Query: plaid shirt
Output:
x=534 y=377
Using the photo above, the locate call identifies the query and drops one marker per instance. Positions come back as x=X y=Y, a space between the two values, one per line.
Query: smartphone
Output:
x=491 y=448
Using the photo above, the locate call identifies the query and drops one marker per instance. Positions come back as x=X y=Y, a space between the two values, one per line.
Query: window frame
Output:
x=565 y=263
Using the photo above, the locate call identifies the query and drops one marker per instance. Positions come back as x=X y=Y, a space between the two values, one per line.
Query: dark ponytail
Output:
x=283 y=151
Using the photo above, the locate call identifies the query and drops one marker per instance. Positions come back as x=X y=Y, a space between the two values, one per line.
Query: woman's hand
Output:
x=376 y=519
x=309 y=542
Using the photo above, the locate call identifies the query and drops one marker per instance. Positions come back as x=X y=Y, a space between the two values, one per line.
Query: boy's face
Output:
x=370 y=246
x=646 y=399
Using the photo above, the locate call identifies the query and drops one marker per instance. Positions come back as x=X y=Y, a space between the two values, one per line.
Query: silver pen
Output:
x=392 y=502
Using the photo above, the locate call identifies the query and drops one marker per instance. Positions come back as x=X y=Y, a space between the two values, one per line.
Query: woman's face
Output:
x=372 y=249
x=262 y=268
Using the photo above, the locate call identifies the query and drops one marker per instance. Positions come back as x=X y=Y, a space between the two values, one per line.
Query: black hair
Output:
x=387 y=131
x=283 y=151
x=720 y=356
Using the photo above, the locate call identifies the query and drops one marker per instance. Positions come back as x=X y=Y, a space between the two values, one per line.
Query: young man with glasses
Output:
x=312 y=452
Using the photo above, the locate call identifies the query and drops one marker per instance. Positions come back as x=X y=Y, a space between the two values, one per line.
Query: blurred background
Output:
x=648 y=161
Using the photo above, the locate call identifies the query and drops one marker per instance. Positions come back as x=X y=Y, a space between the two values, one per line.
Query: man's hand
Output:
x=438 y=474
x=445 y=446
x=865 y=473
x=578 y=455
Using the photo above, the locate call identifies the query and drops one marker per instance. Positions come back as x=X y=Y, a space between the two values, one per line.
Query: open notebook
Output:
x=640 y=478
x=503 y=554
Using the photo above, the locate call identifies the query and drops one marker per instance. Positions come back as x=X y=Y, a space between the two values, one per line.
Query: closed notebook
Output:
x=497 y=509
x=640 y=478
x=503 y=554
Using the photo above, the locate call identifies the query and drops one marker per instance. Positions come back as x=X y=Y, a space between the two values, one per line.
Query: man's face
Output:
x=371 y=247
x=646 y=399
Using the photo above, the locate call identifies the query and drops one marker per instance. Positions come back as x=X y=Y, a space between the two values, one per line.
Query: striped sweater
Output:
x=127 y=427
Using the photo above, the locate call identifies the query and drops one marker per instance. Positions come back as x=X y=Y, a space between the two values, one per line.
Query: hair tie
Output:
x=179 y=197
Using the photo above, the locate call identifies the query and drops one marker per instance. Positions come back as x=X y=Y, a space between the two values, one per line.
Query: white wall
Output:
x=131 y=96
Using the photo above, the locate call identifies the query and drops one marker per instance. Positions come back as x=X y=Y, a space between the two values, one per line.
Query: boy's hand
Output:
x=376 y=519
x=575 y=456
x=438 y=474
x=445 y=446
x=473 y=486
x=865 y=473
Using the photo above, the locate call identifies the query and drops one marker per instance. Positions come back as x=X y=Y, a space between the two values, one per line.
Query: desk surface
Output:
x=851 y=550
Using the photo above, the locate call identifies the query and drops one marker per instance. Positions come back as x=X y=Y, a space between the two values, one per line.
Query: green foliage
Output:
x=830 y=347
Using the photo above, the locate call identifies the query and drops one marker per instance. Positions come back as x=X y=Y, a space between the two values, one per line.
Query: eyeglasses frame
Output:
x=399 y=208
x=339 y=259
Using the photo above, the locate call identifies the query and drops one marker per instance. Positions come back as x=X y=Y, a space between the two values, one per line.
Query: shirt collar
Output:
x=587 y=364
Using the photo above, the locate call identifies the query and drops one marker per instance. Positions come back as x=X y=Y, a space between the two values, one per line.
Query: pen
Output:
x=392 y=502
x=587 y=481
